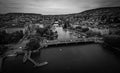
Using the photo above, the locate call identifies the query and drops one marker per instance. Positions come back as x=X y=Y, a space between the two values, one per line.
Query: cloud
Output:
x=53 y=6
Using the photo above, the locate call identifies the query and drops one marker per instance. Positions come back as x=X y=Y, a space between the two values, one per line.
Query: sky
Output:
x=53 y=6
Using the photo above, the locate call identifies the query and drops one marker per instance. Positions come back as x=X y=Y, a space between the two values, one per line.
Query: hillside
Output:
x=99 y=16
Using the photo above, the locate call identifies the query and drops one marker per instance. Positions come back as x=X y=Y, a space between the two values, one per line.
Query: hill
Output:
x=98 y=16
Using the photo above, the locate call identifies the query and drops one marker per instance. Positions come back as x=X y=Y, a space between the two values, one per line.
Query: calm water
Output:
x=65 y=34
x=84 y=58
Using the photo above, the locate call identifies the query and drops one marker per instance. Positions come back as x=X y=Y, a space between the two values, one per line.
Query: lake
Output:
x=85 y=58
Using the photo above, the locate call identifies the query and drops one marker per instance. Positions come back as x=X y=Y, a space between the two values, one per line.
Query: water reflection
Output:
x=64 y=34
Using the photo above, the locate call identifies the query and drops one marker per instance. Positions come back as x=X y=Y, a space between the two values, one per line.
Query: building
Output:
x=102 y=31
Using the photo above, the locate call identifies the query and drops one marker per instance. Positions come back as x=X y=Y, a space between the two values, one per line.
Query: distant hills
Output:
x=98 y=16
x=104 y=15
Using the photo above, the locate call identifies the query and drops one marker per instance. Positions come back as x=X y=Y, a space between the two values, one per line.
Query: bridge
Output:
x=69 y=41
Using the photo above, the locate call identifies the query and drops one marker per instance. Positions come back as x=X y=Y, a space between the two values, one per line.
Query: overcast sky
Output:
x=53 y=6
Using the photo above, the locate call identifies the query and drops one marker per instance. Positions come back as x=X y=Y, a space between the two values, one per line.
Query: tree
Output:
x=66 y=24
x=33 y=44
x=85 y=29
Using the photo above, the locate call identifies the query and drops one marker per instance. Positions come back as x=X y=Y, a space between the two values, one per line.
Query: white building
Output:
x=39 y=25
x=102 y=31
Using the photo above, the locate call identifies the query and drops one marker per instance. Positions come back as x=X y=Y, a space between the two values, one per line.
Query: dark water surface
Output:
x=81 y=58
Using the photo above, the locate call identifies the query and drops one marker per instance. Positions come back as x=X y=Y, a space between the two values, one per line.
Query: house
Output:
x=102 y=31
x=39 y=25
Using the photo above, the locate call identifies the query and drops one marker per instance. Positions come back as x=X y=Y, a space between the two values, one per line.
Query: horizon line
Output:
x=61 y=13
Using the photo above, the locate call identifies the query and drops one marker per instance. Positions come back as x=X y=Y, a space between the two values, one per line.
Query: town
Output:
x=22 y=33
